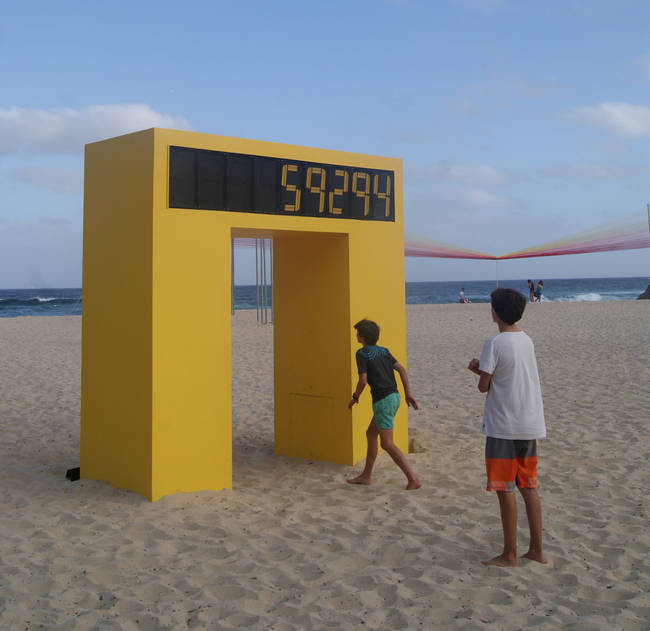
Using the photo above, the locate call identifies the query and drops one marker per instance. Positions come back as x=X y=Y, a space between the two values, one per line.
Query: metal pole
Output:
x=496 y=263
x=265 y=315
x=272 y=284
x=232 y=276
x=257 y=281
x=648 y=207
x=267 y=248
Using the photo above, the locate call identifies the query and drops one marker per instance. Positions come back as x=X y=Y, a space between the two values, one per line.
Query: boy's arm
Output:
x=405 y=381
x=485 y=377
x=484 y=381
x=473 y=366
x=361 y=384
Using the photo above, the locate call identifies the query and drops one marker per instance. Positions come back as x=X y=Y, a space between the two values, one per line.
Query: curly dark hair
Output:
x=368 y=330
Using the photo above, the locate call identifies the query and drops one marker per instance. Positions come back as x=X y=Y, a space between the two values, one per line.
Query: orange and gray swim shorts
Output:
x=510 y=462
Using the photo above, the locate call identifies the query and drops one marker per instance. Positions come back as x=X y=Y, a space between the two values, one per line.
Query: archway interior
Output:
x=309 y=349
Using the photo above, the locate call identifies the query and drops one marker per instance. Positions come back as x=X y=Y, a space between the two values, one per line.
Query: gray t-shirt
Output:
x=513 y=405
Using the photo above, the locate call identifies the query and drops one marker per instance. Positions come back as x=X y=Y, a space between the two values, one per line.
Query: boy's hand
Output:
x=474 y=366
x=352 y=402
x=411 y=401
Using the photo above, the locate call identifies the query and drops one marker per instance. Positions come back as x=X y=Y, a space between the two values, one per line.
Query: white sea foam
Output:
x=592 y=297
x=43 y=299
x=589 y=297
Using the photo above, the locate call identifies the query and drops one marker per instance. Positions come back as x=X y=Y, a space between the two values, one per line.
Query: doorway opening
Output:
x=251 y=357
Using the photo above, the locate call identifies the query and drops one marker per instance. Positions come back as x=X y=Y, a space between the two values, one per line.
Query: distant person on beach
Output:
x=377 y=368
x=539 y=290
x=513 y=420
x=531 y=290
x=462 y=298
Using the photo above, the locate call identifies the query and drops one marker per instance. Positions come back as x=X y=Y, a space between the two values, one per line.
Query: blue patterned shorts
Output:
x=385 y=410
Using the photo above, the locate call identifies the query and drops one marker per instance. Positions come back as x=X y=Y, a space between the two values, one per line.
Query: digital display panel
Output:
x=218 y=180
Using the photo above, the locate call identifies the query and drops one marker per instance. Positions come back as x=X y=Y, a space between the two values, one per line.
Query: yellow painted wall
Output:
x=116 y=377
x=156 y=384
x=312 y=346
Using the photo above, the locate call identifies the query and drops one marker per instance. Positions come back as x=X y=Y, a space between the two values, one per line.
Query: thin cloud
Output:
x=592 y=171
x=470 y=200
x=412 y=136
x=480 y=5
x=621 y=118
x=59 y=180
x=462 y=107
x=62 y=131
x=471 y=175
x=480 y=198
x=463 y=205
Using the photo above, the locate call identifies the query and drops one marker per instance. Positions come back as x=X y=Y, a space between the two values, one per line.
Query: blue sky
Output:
x=518 y=122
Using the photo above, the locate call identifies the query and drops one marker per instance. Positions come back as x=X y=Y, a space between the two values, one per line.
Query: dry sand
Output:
x=295 y=547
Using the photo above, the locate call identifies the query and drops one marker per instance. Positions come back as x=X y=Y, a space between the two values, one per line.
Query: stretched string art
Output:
x=631 y=233
x=628 y=233
x=421 y=246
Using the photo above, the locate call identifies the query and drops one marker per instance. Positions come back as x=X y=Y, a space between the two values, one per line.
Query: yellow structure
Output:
x=160 y=209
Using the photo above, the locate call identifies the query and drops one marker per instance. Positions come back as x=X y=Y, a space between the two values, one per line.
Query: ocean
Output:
x=52 y=302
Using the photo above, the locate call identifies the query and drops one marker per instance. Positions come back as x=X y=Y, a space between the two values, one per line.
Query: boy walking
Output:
x=513 y=420
x=377 y=367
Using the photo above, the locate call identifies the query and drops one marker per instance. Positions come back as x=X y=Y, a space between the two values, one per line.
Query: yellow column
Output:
x=312 y=346
x=116 y=359
x=192 y=436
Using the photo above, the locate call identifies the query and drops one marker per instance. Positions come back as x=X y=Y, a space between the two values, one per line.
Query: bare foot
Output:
x=501 y=561
x=413 y=484
x=360 y=479
x=534 y=556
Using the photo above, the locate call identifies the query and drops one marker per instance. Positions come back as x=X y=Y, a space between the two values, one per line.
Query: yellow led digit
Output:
x=386 y=195
x=337 y=192
x=317 y=189
x=291 y=187
x=365 y=193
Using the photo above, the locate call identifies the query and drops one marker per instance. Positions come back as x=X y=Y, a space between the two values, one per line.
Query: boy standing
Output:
x=376 y=367
x=513 y=420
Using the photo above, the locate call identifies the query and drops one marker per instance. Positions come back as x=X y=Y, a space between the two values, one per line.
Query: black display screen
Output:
x=217 y=180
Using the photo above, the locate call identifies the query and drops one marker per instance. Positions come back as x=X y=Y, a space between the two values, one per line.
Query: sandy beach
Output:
x=293 y=546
